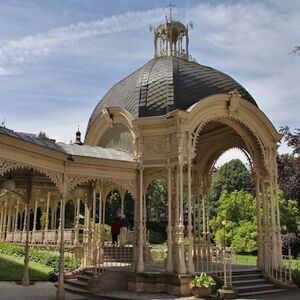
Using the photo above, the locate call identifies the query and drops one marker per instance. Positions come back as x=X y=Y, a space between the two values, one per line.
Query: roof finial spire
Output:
x=78 y=137
x=170 y=7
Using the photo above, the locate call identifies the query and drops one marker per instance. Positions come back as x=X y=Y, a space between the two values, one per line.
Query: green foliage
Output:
x=112 y=206
x=244 y=237
x=39 y=256
x=289 y=214
x=42 y=135
x=204 y=280
x=238 y=209
x=156 y=237
x=289 y=165
x=157 y=200
x=230 y=177
x=296 y=277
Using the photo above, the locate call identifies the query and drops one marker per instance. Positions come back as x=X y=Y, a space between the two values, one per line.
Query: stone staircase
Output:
x=79 y=285
x=113 y=257
x=250 y=282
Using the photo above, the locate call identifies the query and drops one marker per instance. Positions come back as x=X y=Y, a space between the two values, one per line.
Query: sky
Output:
x=58 y=58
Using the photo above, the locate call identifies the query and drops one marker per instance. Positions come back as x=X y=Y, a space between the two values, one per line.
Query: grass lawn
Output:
x=248 y=260
x=11 y=268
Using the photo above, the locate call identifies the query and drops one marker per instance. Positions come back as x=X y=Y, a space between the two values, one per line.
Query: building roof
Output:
x=72 y=149
x=165 y=84
x=95 y=151
x=31 y=138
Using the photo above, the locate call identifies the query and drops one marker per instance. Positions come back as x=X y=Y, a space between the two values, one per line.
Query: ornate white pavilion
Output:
x=172 y=118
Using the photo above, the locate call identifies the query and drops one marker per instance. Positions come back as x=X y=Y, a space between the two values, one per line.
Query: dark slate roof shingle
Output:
x=165 y=84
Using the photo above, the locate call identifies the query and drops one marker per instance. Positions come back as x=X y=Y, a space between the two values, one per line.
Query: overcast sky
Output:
x=59 y=57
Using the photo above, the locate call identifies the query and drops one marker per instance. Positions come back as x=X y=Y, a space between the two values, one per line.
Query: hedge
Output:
x=42 y=257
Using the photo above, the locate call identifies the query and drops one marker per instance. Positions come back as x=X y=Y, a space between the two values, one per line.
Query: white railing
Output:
x=281 y=270
x=37 y=237
x=18 y=237
x=213 y=260
x=50 y=237
x=9 y=237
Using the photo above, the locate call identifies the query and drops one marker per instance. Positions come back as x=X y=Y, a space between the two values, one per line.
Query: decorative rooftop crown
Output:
x=171 y=38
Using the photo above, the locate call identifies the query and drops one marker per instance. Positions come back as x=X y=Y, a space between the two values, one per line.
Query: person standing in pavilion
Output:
x=115 y=231
x=124 y=224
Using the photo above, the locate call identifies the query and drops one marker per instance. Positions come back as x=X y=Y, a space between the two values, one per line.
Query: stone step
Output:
x=247 y=276
x=270 y=291
x=77 y=283
x=246 y=271
x=76 y=290
x=83 y=277
x=248 y=281
x=255 y=287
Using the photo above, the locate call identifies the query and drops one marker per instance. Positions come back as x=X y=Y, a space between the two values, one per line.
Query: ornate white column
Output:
x=25 y=279
x=181 y=267
x=100 y=207
x=122 y=203
x=177 y=196
x=170 y=266
x=94 y=207
x=17 y=215
x=34 y=216
x=266 y=244
x=103 y=212
x=140 y=262
x=47 y=211
x=1 y=221
x=4 y=219
x=55 y=216
x=8 y=224
x=26 y=211
x=279 y=241
x=60 y=292
x=76 y=229
x=259 y=223
x=190 y=263
x=273 y=226
x=276 y=235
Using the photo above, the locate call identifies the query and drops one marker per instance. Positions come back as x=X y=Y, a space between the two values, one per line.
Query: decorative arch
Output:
x=109 y=117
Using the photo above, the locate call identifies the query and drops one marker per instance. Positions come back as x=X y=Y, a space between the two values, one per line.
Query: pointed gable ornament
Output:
x=234 y=102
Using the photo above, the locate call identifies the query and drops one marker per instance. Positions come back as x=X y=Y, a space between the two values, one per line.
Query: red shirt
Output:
x=115 y=228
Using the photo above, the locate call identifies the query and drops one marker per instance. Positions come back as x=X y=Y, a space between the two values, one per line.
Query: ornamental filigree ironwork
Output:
x=154 y=145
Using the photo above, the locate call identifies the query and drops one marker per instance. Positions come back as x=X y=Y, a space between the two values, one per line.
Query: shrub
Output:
x=296 y=277
x=156 y=237
x=39 y=256
x=291 y=240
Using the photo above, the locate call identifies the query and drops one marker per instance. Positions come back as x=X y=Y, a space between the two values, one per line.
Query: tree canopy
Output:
x=232 y=176
x=289 y=165
x=237 y=209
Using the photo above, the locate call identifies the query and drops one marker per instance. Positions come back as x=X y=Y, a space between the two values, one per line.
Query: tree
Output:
x=238 y=210
x=112 y=206
x=157 y=199
x=230 y=177
x=289 y=214
x=42 y=135
x=296 y=50
x=289 y=165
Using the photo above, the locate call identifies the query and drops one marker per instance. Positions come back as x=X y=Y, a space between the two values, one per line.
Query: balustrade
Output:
x=18 y=237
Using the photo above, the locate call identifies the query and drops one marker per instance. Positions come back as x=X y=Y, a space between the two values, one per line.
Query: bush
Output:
x=296 y=277
x=39 y=256
x=156 y=237
x=291 y=240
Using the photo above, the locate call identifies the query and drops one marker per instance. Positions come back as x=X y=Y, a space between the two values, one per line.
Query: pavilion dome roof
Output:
x=165 y=84
x=170 y=81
